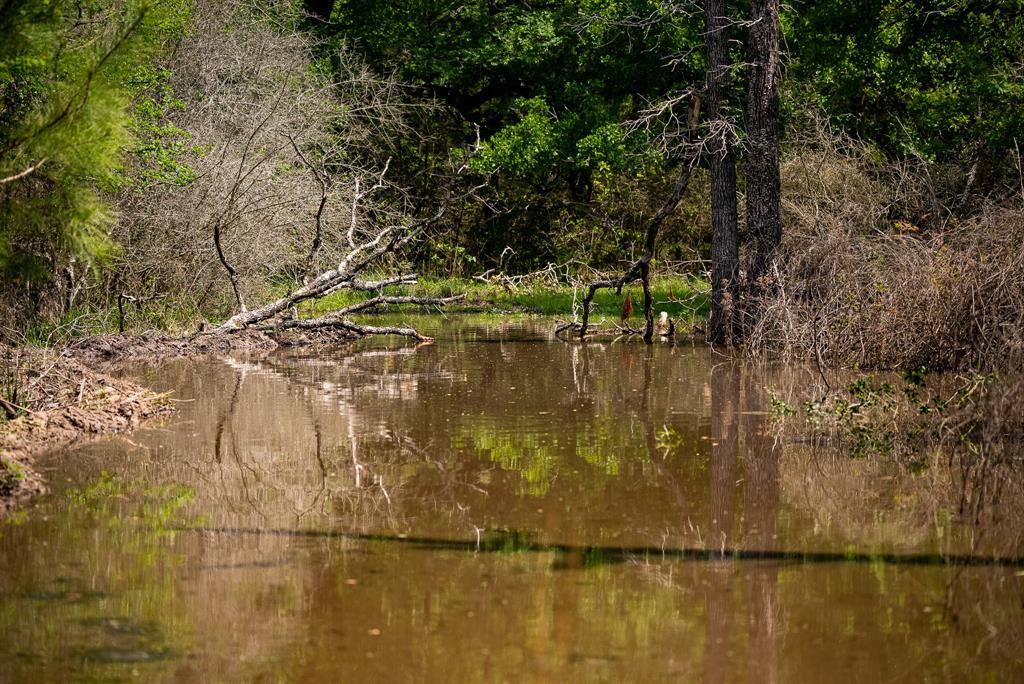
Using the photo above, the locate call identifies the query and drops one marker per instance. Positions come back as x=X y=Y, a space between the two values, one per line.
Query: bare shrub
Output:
x=281 y=186
x=857 y=282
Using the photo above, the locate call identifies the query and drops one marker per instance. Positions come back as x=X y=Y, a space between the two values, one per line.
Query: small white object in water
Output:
x=663 y=325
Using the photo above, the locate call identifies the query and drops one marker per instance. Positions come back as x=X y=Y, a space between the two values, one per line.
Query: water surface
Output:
x=497 y=507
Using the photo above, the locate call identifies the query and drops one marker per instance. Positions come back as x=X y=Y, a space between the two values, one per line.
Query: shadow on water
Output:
x=522 y=542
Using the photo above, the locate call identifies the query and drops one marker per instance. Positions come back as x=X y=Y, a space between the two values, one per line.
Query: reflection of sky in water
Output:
x=493 y=434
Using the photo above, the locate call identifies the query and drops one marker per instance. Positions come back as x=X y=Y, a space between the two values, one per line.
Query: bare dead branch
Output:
x=332 y=322
x=357 y=197
x=22 y=174
x=232 y=273
x=321 y=178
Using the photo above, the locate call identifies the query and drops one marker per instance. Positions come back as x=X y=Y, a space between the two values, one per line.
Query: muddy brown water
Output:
x=498 y=507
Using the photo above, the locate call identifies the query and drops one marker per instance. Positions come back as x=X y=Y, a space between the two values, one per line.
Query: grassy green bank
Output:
x=685 y=299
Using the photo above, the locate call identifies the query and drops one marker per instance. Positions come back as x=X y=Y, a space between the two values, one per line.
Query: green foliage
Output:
x=161 y=149
x=549 y=84
x=12 y=474
x=935 y=78
x=685 y=299
x=158 y=506
x=878 y=417
x=780 y=409
x=65 y=91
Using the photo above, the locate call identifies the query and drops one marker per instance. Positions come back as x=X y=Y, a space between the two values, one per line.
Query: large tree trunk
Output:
x=724 y=233
x=764 y=220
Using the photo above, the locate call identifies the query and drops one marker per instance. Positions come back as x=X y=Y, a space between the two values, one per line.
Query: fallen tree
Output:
x=268 y=318
x=280 y=315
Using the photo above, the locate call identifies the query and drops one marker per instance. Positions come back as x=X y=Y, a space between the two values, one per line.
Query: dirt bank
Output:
x=51 y=400
x=161 y=345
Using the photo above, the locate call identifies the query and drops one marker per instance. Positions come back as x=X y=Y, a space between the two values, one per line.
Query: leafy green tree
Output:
x=936 y=78
x=68 y=72
x=549 y=84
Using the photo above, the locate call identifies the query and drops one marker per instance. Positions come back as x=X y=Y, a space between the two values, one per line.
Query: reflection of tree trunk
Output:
x=537 y=634
x=650 y=438
x=725 y=391
x=581 y=371
x=566 y=615
x=725 y=395
x=761 y=508
x=228 y=413
x=717 y=621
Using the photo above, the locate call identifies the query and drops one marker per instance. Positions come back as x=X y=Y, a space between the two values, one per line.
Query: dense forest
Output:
x=189 y=157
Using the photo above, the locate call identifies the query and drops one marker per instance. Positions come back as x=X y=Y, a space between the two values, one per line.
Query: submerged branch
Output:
x=332 y=322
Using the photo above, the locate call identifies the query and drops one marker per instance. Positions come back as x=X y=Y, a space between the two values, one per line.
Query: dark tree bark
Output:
x=232 y=273
x=319 y=9
x=721 y=138
x=764 y=220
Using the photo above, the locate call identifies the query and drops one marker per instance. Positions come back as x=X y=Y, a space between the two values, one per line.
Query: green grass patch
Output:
x=86 y=320
x=685 y=299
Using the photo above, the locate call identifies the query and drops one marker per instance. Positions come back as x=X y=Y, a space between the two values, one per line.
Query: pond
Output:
x=498 y=506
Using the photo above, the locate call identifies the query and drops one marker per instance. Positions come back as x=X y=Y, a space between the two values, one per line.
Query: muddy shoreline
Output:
x=103 y=405
x=74 y=398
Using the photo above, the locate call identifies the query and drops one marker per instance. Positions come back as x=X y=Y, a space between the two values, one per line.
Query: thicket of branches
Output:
x=279 y=180
x=251 y=158
x=882 y=266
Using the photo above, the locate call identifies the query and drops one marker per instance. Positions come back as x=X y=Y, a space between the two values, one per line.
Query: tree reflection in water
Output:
x=639 y=519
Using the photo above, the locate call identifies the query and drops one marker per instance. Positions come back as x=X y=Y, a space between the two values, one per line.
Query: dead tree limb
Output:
x=232 y=273
x=383 y=300
x=17 y=176
x=332 y=322
x=342 y=276
x=357 y=197
x=388 y=240
x=641 y=268
x=333 y=318
x=338 y=319
x=325 y=187
x=374 y=285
